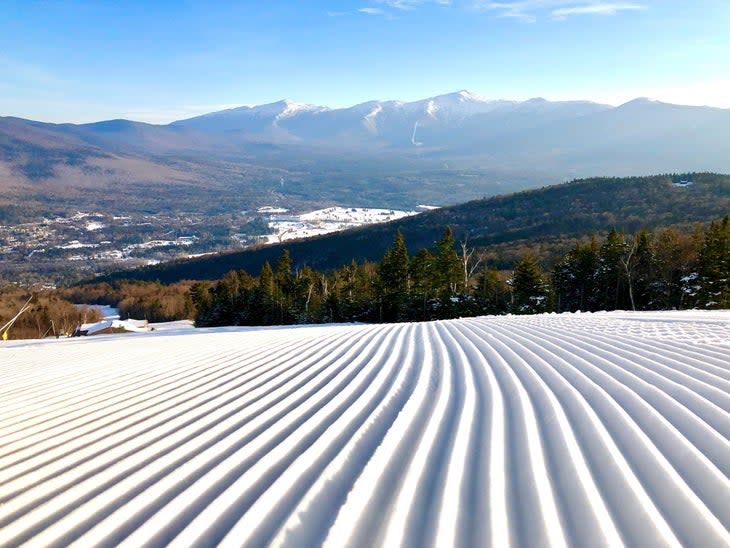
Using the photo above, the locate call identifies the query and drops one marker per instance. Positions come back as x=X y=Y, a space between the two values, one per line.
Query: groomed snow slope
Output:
x=580 y=430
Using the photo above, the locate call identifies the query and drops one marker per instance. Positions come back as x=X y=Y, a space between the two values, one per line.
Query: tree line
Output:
x=657 y=270
x=150 y=301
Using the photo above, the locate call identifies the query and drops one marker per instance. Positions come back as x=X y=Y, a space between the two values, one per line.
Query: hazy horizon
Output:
x=219 y=108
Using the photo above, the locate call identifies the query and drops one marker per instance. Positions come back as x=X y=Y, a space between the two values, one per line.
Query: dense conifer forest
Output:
x=659 y=270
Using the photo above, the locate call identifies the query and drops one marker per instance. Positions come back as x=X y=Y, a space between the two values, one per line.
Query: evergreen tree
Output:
x=366 y=280
x=228 y=298
x=447 y=275
x=612 y=291
x=283 y=268
x=530 y=288
x=714 y=266
x=644 y=273
x=422 y=284
x=348 y=294
x=284 y=293
x=676 y=260
x=394 y=280
x=652 y=271
x=203 y=302
x=307 y=298
x=492 y=293
x=575 y=279
x=264 y=309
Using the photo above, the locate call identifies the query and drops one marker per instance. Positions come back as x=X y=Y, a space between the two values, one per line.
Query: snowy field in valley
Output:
x=324 y=221
x=600 y=429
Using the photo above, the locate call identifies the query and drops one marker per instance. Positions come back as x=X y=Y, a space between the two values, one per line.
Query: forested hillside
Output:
x=662 y=269
x=547 y=221
x=659 y=270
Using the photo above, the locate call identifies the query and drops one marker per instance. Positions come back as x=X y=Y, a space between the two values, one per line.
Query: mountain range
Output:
x=440 y=150
x=446 y=121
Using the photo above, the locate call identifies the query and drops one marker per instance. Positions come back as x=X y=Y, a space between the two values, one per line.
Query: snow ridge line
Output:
x=559 y=430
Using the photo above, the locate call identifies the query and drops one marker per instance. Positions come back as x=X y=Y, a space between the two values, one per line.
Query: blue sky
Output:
x=157 y=61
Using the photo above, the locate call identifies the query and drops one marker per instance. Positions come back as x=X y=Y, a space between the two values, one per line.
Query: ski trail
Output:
x=665 y=420
x=609 y=463
x=674 y=496
x=128 y=464
x=389 y=480
x=582 y=504
x=605 y=429
x=134 y=430
x=309 y=522
x=279 y=499
x=489 y=491
x=318 y=414
x=121 y=411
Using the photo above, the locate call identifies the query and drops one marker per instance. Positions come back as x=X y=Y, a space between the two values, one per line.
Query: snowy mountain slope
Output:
x=582 y=430
x=391 y=122
x=249 y=119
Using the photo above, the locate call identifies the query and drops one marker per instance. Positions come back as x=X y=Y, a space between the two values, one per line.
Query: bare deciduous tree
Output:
x=628 y=264
x=469 y=261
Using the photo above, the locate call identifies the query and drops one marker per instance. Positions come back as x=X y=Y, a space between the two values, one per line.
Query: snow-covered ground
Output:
x=601 y=429
x=324 y=221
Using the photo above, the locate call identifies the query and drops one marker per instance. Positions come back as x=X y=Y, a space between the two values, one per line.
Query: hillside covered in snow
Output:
x=602 y=429
x=286 y=226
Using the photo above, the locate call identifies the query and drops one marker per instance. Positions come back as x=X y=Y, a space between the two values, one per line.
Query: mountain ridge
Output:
x=449 y=107
x=464 y=95
x=440 y=150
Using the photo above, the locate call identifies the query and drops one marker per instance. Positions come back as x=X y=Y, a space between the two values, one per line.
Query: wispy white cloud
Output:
x=407 y=5
x=389 y=8
x=526 y=10
x=371 y=11
x=531 y=10
x=596 y=9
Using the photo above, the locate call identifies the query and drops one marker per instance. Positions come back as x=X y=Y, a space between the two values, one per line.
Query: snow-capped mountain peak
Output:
x=455 y=106
x=466 y=95
x=292 y=108
x=282 y=109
